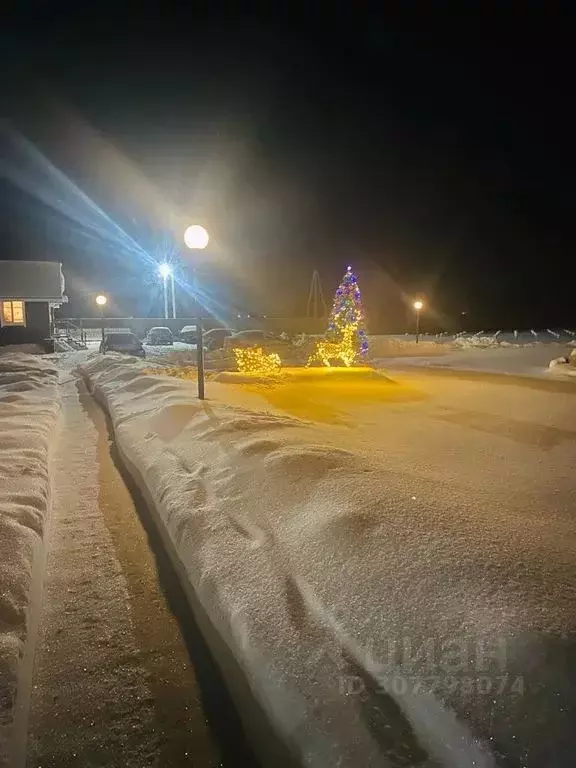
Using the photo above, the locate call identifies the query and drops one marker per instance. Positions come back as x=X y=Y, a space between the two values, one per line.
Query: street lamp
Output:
x=418 y=306
x=197 y=238
x=101 y=301
x=166 y=271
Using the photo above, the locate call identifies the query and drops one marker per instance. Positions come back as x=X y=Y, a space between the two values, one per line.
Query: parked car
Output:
x=269 y=341
x=159 y=335
x=215 y=338
x=126 y=343
x=245 y=339
x=188 y=334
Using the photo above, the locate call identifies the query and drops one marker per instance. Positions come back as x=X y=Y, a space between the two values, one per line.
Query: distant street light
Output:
x=101 y=301
x=197 y=238
x=418 y=306
x=166 y=271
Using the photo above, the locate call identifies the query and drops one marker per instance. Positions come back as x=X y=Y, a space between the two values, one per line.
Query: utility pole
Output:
x=316 y=297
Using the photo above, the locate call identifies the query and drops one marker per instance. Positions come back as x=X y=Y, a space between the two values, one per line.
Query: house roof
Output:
x=32 y=281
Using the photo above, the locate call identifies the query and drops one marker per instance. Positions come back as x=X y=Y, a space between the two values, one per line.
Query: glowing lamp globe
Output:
x=196 y=237
x=418 y=305
x=165 y=270
x=101 y=300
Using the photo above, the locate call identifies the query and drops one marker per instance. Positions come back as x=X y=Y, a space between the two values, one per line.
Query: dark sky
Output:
x=436 y=146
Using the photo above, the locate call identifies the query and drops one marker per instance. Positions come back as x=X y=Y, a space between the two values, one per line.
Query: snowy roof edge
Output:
x=32 y=281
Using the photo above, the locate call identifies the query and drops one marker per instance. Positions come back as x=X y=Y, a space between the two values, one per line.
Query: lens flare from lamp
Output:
x=165 y=270
x=196 y=237
x=101 y=300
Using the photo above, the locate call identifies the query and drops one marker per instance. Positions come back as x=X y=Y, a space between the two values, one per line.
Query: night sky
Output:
x=432 y=149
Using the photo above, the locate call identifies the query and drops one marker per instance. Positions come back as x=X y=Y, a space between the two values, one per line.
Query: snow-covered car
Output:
x=188 y=334
x=126 y=343
x=269 y=342
x=159 y=335
x=215 y=338
x=253 y=338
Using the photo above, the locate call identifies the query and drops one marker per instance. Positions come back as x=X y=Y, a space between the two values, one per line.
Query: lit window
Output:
x=13 y=313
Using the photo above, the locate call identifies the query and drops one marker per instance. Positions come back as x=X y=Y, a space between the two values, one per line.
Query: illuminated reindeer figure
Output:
x=344 y=350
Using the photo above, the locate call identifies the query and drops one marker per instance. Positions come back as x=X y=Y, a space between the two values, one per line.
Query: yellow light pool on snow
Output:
x=101 y=300
x=418 y=305
x=255 y=360
x=196 y=237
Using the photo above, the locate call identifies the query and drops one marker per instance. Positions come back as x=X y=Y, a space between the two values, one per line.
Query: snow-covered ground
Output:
x=29 y=406
x=531 y=360
x=390 y=560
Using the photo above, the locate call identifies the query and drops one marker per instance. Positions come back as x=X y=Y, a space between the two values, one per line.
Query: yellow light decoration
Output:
x=254 y=360
x=343 y=350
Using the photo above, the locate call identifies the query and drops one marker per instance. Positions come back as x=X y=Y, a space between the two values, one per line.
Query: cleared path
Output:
x=113 y=684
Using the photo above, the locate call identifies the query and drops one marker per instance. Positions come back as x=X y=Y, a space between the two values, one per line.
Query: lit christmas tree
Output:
x=347 y=313
x=346 y=338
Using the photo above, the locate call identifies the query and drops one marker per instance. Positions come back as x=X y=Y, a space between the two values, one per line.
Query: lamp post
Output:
x=101 y=301
x=196 y=238
x=173 y=294
x=165 y=271
x=418 y=306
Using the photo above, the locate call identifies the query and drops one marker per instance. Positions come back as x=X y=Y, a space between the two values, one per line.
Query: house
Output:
x=29 y=293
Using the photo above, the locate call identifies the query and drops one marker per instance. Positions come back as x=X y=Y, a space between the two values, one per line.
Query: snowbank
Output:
x=565 y=365
x=28 y=349
x=286 y=542
x=532 y=360
x=28 y=413
x=558 y=361
x=400 y=346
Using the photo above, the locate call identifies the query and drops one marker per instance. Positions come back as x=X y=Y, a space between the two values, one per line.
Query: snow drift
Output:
x=564 y=365
x=285 y=542
x=28 y=413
